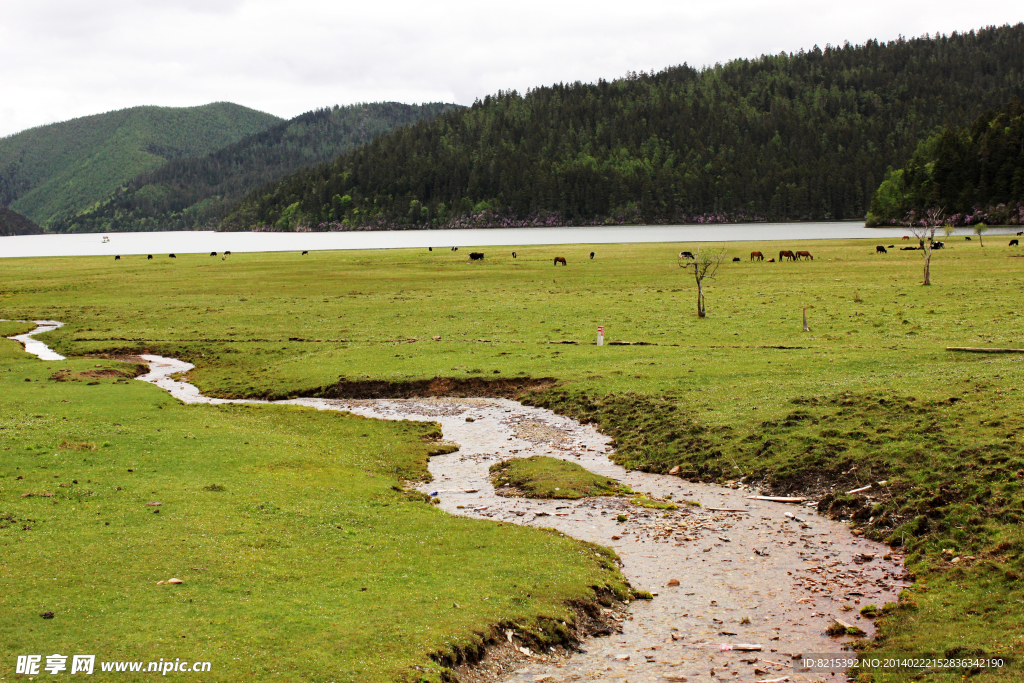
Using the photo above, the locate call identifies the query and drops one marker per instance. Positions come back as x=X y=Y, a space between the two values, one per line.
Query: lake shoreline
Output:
x=160 y=244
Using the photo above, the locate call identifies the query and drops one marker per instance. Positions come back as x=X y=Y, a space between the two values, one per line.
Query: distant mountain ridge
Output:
x=797 y=136
x=198 y=191
x=13 y=223
x=55 y=171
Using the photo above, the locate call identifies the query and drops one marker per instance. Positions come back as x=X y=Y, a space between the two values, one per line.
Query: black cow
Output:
x=686 y=254
x=118 y=258
x=149 y=258
x=880 y=250
x=908 y=248
x=304 y=253
x=513 y=254
x=1014 y=243
x=735 y=259
x=171 y=256
x=938 y=245
x=476 y=256
x=591 y=256
x=213 y=253
x=227 y=253
x=968 y=239
x=455 y=248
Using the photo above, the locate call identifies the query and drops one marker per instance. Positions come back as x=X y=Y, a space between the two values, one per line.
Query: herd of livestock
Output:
x=784 y=255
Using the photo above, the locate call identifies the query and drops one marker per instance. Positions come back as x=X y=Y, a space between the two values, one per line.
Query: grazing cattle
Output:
x=735 y=259
x=892 y=246
x=1014 y=243
x=908 y=248
x=686 y=254
x=455 y=248
x=786 y=253
x=804 y=254
x=756 y=256
x=968 y=239
x=1020 y=233
x=513 y=254
x=771 y=260
x=213 y=253
x=430 y=249
x=560 y=259
x=171 y=256
x=476 y=256
x=906 y=237
x=591 y=256
x=227 y=253
x=118 y=258
x=305 y=253
x=149 y=258
x=938 y=245
x=880 y=250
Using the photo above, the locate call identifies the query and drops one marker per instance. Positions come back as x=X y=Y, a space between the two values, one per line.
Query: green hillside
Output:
x=57 y=170
x=197 y=192
x=974 y=174
x=790 y=136
x=13 y=223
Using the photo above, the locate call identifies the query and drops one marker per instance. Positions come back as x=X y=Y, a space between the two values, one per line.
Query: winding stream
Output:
x=749 y=571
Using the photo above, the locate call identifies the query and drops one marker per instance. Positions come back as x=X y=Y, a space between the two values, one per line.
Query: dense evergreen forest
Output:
x=55 y=171
x=13 y=223
x=197 y=192
x=789 y=136
x=974 y=174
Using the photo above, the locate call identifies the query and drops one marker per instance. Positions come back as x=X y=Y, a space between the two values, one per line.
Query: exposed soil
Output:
x=439 y=386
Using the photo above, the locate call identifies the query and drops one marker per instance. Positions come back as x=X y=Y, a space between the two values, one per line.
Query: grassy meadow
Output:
x=870 y=394
x=301 y=555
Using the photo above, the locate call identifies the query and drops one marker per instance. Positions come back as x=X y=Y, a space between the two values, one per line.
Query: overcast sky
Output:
x=62 y=59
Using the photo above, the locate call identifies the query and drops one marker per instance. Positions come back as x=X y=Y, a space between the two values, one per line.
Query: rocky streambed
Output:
x=725 y=569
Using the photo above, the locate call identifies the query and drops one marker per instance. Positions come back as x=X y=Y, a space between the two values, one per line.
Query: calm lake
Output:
x=92 y=244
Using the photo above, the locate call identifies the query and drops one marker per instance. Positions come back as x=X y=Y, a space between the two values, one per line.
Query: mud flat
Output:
x=749 y=572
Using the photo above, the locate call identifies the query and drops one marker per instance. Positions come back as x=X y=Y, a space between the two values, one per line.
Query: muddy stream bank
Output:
x=732 y=570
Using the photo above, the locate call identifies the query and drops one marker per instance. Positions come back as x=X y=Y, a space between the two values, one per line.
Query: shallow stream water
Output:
x=732 y=570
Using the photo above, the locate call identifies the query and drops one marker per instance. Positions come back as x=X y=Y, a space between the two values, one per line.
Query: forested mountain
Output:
x=197 y=192
x=790 y=136
x=13 y=223
x=974 y=174
x=56 y=170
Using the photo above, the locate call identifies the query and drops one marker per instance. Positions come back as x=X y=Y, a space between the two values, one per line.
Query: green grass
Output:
x=300 y=552
x=540 y=476
x=743 y=393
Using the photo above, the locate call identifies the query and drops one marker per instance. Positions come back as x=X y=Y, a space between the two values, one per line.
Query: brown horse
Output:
x=804 y=254
x=786 y=253
x=560 y=259
x=906 y=237
x=756 y=255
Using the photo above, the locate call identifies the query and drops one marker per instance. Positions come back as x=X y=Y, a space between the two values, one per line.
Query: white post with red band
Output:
x=600 y=335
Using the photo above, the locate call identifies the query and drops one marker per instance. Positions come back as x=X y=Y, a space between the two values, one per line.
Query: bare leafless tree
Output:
x=924 y=230
x=705 y=264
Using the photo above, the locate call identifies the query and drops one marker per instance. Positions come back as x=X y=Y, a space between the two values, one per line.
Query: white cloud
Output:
x=61 y=59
